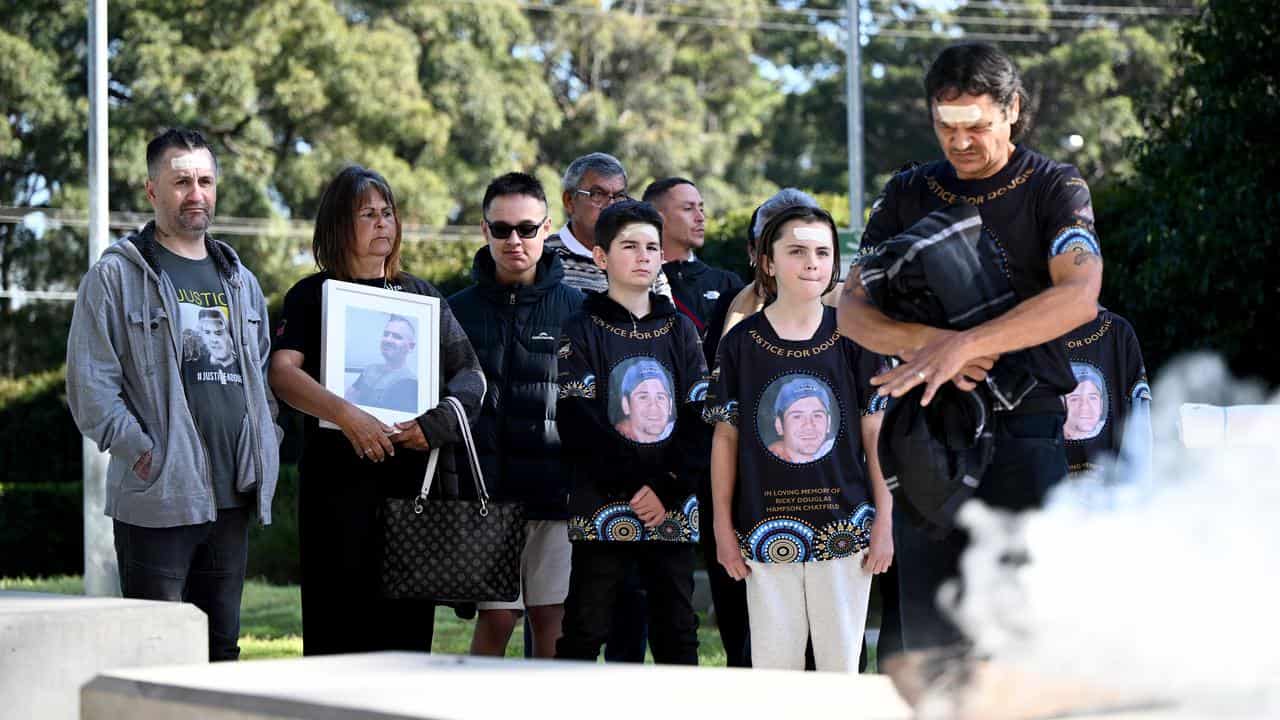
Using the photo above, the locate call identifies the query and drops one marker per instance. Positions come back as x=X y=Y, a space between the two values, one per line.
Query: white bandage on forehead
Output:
x=809 y=232
x=959 y=114
x=638 y=230
x=191 y=161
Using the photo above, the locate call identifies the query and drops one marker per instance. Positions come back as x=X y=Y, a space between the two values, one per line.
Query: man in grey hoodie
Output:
x=184 y=411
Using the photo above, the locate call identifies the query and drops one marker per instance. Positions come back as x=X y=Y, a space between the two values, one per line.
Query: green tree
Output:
x=665 y=94
x=1084 y=74
x=1196 y=233
x=42 y=131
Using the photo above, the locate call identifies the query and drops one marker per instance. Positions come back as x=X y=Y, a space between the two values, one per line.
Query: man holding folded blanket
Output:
x=1039 y=222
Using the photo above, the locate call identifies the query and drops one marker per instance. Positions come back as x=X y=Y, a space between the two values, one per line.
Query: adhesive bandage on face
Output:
x=638 y=231
x=959 y=114
x=806 y=232
x=191 y=161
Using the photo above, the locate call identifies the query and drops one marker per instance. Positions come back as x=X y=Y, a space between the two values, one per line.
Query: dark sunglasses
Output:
x=526 y=230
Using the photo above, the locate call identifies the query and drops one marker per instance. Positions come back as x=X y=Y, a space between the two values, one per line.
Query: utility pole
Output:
x=101 y=575
x=853 y=107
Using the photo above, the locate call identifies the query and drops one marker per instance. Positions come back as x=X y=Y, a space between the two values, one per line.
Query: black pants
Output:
x=343 y=610
x=629 y=633
x=598 y=572
x=201 y=564
x=1029 y=460
x=729 y=596
x=884 y=597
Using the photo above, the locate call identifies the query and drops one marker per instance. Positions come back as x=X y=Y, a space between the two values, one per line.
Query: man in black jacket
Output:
x=512 y=316
x=696 y=287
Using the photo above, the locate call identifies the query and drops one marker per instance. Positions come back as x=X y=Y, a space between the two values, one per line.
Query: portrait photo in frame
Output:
x=380 y=350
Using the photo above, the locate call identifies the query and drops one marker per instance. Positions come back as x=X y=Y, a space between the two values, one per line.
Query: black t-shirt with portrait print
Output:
x=1111 y=392
x=210 y=368
x=802 y=491
x=1034 y=207
x=631 y=392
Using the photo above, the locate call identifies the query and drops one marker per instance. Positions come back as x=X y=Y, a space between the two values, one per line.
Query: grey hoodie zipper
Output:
x=237 y=329
x=165 y=286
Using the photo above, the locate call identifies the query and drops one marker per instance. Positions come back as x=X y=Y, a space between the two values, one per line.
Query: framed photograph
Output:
x=380 y=349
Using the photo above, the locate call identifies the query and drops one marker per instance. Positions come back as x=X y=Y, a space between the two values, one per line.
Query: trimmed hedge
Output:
x=41 y=529
x=39 y=442
x=273 y=550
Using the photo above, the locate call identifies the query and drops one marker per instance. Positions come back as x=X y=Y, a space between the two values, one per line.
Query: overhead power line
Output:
x=738 y=23
x=1148 y=10
x=949 y=19
x=1011 y=7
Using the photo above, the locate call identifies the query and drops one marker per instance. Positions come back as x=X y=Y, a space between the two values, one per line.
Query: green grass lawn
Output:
x=271 y=622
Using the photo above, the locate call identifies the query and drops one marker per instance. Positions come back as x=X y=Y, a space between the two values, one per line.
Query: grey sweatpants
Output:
x=787 y=603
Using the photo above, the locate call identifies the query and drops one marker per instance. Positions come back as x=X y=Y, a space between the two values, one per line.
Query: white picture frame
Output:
x=380 y=349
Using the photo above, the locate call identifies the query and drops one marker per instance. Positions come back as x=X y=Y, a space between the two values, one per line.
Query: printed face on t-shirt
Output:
x=803 y=428
x=795 y=418
x=648 y=411
x=213 y=331
x=1084 y=411
x=642 y=404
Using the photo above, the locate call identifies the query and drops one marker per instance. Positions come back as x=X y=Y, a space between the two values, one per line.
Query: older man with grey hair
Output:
x=591 y=183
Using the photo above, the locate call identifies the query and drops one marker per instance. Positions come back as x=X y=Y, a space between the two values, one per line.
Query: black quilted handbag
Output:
x=452 y=550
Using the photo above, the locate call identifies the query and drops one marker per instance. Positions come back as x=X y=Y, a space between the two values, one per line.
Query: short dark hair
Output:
x=183 y=138
x=335 y=230
x=513 y=183
x=392 y=317
x=773 y=229
x=621 y=214
x=978 y=69
x=658 y=188
x=211 y=314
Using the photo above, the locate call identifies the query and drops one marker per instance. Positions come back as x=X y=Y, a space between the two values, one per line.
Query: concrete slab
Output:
x=50 y=645
x=417 y=686
x=440 y=687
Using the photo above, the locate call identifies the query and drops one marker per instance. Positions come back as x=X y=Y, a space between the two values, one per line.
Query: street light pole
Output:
x=101 y=575
x=853 y=106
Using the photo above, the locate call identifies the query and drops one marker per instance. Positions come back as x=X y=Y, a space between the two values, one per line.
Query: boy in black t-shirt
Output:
x=632 y=380
x=1109 y=411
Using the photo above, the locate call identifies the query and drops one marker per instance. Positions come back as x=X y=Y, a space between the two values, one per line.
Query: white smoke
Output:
x=1166 y=587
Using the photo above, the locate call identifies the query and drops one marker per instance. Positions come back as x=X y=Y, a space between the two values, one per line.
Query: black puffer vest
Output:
x=515 y=331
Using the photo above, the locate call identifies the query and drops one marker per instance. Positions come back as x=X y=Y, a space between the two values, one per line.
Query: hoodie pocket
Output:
x=134 y=483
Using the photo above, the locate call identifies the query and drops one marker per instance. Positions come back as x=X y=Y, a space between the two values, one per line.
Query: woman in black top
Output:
x=345 y=474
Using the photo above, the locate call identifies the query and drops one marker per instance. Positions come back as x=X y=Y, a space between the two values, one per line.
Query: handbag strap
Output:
x=464 y=428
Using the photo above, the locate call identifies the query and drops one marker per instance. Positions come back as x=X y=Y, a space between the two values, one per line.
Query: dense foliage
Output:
x=1176 y=124
x=1194 y=237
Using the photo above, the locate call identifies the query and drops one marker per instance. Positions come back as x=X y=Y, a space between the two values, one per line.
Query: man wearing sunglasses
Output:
x=592 y=183
x=512 y=315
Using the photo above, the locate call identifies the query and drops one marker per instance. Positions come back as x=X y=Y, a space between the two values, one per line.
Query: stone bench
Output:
x=1211 y=426
x=417 y=685
x=50 y=645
